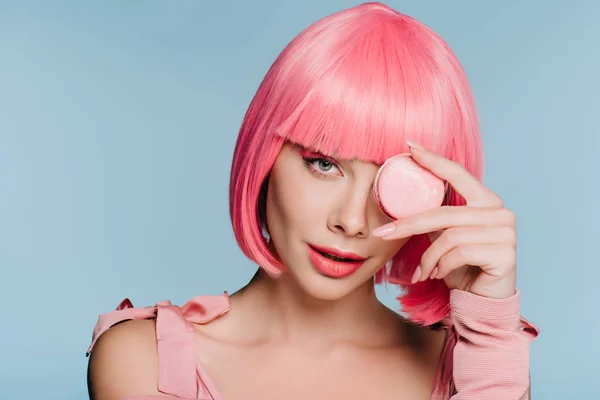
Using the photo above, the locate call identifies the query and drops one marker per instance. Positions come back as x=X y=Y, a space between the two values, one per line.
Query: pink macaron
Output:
x=402 y=187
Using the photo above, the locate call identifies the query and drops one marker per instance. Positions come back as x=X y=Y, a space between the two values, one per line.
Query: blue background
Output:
x=117 y=126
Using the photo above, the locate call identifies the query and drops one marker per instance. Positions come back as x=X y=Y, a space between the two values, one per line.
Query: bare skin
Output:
x=316 y=353
x=306 y=335
x=247 y=360
x=301 y=335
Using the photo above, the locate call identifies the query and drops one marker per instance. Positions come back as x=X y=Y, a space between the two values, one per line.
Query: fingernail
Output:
x=416 y=275
x=415 y=145
x=384 y=230
x=433 y=273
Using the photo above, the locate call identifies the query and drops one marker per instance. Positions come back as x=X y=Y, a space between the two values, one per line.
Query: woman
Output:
x=348 y=92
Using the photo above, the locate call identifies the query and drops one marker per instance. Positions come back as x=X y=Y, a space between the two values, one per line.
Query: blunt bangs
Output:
x=382 y=86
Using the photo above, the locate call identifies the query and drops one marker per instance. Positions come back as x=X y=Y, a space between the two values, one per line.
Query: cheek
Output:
x=385 y=250
x=299 y=203
x=290 y=206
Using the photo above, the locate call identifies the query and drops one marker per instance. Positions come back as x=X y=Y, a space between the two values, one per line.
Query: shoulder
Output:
x=124 y=361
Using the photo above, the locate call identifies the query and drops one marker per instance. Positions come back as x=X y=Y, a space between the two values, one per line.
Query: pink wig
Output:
x=357 y=84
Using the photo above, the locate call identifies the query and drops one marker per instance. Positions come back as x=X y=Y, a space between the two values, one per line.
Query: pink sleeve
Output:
x=491 y=356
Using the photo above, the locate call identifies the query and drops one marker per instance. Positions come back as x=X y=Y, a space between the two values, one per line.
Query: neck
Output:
x=284 y=313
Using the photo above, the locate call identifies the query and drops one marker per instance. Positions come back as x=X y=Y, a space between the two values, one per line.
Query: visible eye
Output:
x=321 y=166
x=324 y=165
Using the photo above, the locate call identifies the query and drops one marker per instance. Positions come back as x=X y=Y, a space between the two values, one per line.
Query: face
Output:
x=319 y=208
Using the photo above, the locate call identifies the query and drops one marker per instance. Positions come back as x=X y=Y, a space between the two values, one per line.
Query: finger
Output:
x=455 y=237
x=493 y=259
x=443 y=218
x=469 y=187
x=433 y=236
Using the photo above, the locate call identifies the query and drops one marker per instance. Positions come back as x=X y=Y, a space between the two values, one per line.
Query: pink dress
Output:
x=485 y=355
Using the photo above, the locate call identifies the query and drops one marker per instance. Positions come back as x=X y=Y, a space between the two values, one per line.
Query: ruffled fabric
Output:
x=180 y=373
x=485 y=354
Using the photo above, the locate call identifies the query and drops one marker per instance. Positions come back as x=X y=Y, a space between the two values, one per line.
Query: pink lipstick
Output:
x=334 y=263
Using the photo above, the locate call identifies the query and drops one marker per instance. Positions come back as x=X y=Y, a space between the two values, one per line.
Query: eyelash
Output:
x=309 y=164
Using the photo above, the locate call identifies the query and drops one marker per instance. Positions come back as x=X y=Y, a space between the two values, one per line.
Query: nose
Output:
x=350 y=216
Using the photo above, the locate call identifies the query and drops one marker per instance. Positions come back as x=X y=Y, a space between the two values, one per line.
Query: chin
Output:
x=326 y=288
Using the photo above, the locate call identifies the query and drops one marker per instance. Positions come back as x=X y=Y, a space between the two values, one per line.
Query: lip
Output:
x=337 y=253
x=332 y=268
